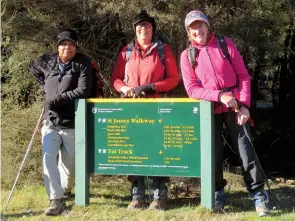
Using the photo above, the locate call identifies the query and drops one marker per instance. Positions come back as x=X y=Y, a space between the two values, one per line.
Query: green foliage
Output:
x=19 y=88
x=254 y=28
x=17 y=125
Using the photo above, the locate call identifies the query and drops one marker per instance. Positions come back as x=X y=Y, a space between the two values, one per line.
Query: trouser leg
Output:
x=51 y=142
x=66 y=163
x=160 y=188
x=220 y=182
x=252 y=172
x=138 y=188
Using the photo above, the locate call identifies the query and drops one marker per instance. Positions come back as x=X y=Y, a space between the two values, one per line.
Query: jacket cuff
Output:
x=153 y=87
x=236 y=94
x=219 y=96
x=216 y=95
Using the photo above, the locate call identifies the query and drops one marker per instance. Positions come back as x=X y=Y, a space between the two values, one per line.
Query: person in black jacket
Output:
x=64 y=76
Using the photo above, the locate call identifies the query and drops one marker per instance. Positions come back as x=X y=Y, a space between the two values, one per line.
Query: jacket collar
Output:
x=134 y=45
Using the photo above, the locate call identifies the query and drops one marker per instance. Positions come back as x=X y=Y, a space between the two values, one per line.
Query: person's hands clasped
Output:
x=144 y=90
x=127 y=91
x=228 y=100
x=244 y=115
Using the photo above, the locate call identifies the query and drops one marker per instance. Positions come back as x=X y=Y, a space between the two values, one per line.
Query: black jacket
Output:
x=62 y=90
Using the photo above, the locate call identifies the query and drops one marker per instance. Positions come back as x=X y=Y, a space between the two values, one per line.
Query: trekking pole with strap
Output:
x=25 y=157
x=259 y=164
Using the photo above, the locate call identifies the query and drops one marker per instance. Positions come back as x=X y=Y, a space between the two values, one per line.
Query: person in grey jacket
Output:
x=64 y=76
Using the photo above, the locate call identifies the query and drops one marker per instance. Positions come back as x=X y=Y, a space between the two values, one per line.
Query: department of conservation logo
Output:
x=94 y=110
x=195 y=110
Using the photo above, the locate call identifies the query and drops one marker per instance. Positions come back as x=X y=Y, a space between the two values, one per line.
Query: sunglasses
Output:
x=144 y=24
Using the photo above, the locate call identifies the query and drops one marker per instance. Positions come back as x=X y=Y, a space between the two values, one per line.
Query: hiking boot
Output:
x=56 y=206
x=220 y=199
x=262 y=211
x=260 y=199
x=158 y=205
x=136 y=204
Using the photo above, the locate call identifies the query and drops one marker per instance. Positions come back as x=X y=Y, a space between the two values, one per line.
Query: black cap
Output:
x=67 y=34
x=144 y=16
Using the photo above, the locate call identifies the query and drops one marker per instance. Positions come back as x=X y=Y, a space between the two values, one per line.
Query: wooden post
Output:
x=207 y=155
x=81 y=173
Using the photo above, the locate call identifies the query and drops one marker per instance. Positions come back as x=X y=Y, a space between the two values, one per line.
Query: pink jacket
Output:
x=213 y=72
x=146 y=70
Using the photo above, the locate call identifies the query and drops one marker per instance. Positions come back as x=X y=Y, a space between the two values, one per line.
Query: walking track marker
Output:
x=149 y=137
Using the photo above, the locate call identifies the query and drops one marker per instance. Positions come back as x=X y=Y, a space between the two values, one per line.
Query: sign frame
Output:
x=82 y=147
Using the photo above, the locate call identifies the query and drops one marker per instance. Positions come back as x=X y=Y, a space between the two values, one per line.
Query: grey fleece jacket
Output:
x=63 y=89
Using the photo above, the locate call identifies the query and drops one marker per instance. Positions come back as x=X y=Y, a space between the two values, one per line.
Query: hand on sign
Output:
x=127 y=91
x=144 y=90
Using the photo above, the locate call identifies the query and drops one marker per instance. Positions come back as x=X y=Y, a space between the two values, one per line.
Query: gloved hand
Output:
x=47 y=104
x=144 y=90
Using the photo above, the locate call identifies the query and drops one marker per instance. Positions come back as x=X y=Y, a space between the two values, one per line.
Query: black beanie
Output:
x=144 y=16
x=67 y=34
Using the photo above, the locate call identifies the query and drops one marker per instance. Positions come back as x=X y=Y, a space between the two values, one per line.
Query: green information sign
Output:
x=149 y=137
x=145 y=138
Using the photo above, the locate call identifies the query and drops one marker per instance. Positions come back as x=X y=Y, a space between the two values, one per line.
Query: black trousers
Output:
x=252 y=173
x=138 y=187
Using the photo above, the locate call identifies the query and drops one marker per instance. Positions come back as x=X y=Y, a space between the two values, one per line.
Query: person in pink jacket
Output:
x=225 y=82
x=142 y=73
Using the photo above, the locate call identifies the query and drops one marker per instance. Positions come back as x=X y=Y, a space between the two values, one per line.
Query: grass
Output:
x=109 y=197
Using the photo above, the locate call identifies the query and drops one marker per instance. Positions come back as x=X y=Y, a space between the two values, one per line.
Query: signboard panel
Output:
x=151 y=137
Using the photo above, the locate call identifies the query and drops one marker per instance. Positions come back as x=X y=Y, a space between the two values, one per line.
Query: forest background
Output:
x=263 y=31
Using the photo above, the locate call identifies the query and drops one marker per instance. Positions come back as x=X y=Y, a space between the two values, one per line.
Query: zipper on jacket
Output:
x=219 y=88
x=138 y=65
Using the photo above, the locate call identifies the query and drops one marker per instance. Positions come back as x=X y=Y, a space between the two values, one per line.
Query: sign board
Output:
x=145 y=138
x=148 y=137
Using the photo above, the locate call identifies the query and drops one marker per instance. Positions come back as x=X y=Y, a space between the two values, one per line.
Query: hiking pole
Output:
x=259 y=164
x=25 y=157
